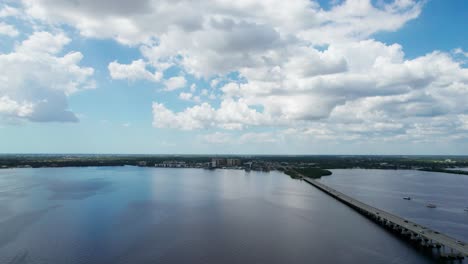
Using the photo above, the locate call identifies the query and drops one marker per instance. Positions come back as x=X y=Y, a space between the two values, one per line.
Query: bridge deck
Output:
x=420 y=230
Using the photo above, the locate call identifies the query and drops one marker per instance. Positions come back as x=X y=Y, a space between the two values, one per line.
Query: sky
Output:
x=234 y=77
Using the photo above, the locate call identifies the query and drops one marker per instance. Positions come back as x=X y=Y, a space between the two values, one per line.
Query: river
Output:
x=155 y=215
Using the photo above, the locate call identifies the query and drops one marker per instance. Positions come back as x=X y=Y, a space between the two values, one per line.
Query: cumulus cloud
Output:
x=8 y=30
x=380 y=93
x=185 y=96
x=14 y=108
x=9 y=11
x=36 y=79
x=217 y=138
x=461 y=52
x=175 y=83
x=136 y=70
x=231 y=115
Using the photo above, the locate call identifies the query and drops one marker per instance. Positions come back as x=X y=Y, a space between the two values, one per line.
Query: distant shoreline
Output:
x=257 y=163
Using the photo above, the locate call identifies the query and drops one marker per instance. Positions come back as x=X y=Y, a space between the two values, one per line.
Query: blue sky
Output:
x=338 y=77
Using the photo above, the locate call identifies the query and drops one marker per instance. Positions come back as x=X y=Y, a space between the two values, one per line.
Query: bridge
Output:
x=449 y=248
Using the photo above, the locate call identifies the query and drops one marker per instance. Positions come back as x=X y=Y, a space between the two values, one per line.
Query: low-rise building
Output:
x=218 y=162
x=172 y=164
x=233 y=162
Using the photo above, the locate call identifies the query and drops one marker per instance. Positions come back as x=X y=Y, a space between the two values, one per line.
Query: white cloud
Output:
x=230 y=115
x=463 y=121
x=217 y=138
x=193 y=118
x=185 y=96
x=43 y=42
x=461 y=52
x=14 y=108
x=214 y=83
x=175 y=83
x=377 y=87
x=8 y=11
x=298 y=65
x=134 y=71
x=36 y=80
x=189 y=97
x=263 y=137
x=360 y=19
x=143 y=19
x=8 y=30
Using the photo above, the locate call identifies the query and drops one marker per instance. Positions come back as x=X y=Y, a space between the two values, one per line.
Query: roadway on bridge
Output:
x=422 y=231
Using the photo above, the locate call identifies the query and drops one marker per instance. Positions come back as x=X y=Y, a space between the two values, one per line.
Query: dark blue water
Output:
x=149 y=215
x=385 y=189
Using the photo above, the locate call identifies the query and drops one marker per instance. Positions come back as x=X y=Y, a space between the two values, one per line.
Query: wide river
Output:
x=153 y=215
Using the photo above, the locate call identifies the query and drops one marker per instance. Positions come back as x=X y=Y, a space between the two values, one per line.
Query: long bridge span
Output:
x=449 y=248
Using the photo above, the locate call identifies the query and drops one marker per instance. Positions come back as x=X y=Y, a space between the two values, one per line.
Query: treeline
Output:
x=37 y=161
x=370 y=161
x=314 y=173
x=325 y=161
x=445 y=171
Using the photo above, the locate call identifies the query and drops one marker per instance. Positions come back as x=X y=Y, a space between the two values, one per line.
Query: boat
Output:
x=407 y=198
x=431 y=205
x=466 y=209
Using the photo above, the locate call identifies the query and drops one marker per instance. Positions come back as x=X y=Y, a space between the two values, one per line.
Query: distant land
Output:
x=446 y=164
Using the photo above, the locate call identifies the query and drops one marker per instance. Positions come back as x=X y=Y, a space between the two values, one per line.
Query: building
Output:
x=218 y=162
x=233 y=162
x=172 y=164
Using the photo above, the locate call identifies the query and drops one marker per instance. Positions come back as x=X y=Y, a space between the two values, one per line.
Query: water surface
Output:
x=154 y=215
x=385 y=189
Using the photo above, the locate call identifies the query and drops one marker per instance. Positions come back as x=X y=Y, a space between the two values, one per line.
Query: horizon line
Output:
x=229 y=154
